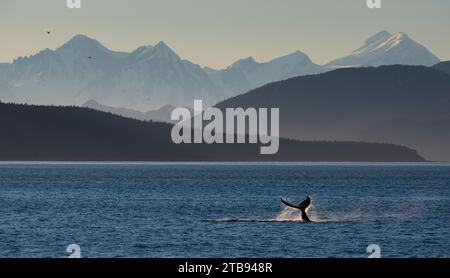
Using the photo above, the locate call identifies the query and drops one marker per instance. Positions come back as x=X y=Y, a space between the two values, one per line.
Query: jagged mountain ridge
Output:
x=153 y=76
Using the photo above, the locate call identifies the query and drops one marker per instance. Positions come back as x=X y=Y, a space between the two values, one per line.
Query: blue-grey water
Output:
x=223 y=210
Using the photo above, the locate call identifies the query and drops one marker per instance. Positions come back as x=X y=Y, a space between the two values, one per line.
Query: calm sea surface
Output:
x=223 y=210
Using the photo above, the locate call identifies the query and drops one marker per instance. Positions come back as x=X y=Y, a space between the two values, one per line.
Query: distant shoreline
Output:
x=51 y=133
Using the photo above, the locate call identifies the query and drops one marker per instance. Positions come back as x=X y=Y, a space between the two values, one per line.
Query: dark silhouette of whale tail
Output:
x=302 y=207
x=305 y=216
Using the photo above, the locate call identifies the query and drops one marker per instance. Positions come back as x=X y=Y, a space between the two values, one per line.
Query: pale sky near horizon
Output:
x=216 y=33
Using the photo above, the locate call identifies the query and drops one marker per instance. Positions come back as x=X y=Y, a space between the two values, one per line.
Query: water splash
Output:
x=288 y=214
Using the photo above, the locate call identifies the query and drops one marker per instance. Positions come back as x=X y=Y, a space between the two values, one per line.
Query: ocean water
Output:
x=223 y=210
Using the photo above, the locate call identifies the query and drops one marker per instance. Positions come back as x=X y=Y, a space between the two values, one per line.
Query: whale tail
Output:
x=302 y=207
x=305 y=216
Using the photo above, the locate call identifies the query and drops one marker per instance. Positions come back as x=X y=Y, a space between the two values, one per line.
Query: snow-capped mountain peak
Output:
x=245 y=64
x=294 y=58
x=162 y=45
x=162 y=50
x=147 y=53
x=82 y=43
x=378 y=37
x=384 y=48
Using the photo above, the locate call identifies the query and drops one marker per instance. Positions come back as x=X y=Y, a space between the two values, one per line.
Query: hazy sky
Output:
x=218 y=32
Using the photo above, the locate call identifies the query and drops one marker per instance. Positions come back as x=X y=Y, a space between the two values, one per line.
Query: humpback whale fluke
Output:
x=302 y=207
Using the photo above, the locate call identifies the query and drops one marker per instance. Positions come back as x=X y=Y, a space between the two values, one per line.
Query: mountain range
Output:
x=153 y=76
x=407 y=105
x=162 y=114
